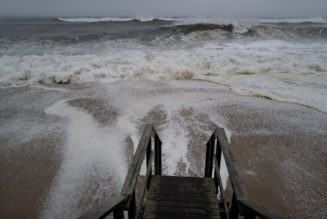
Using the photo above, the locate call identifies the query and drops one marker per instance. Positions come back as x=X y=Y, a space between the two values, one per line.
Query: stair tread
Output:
x=181 y=197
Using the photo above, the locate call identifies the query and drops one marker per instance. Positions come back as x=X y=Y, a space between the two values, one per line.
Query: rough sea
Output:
x=75 y=94
x=281 y=59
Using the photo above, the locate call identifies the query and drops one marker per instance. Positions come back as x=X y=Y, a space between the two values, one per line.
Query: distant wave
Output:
x=189 y=28
x=111 y=19
x=296 y=20
x=92 y=20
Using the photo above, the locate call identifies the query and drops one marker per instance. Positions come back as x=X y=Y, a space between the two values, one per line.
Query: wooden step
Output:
x=181 y=197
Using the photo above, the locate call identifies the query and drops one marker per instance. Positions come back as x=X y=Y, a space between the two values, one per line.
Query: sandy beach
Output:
x=65 y=148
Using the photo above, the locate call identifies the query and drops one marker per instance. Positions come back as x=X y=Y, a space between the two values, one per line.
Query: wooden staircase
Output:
x=170 y=197
x=181 y=197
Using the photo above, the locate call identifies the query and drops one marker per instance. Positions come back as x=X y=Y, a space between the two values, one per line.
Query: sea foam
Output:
x=283 y=71
x=92 y=163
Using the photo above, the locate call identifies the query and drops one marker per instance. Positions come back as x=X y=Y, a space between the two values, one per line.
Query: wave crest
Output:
x=112 y=19
x=296 y=20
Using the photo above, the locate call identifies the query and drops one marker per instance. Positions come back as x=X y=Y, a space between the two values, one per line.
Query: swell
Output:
x=163 y=30
x=288 y=32
x=114 y=19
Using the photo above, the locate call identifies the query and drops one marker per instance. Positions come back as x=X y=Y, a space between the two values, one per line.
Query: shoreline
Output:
x=238 y=90
x=271 y=129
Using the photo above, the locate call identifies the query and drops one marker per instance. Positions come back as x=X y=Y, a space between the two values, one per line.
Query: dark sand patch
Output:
x=157 y=116
x=27 y=174
x=197 y=125
x=101 y=111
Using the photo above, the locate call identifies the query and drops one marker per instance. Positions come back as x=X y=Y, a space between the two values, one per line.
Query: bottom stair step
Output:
x=181 y=197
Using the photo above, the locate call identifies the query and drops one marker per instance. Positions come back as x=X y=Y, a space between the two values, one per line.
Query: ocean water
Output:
x=154 y=65
x=281 y=59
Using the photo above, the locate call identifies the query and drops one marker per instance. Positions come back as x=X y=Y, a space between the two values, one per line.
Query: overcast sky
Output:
x=156 y=8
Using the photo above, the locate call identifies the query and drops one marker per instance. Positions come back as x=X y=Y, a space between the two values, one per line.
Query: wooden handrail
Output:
x=126 y=198
x=217 y=145
x=145 y=186
x=219 y=182
x=135 y=167
x=236 y=181
x=240 y=203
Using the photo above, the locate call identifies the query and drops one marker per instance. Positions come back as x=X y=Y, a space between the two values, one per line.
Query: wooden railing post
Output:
x=126 y=200
x=218 y=152
x=249 y=216
x=209 y=157
x=218 y=157
x=148 y=152
x=206 y=167
x=234 y=212
x=119 y=213
x=212 y=147
x=132 y=206
x=157 y=152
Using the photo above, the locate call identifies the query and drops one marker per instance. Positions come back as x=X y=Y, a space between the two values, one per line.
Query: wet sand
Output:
x=279 y=147
x=29 y=157
x=282 y=158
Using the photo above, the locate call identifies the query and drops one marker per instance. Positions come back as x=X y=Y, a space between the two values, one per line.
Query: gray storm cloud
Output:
x=138 y=8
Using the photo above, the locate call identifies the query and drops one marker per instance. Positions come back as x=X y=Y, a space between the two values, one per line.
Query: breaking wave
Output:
x=275 y=69
x=111 y=19
x=281 y=61
x=296 y=20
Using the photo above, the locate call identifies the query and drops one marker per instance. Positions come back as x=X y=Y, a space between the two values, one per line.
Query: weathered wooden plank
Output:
x=189 y=184
x=233 y=172
x=182 y=211
x=217 y=173
x=173 y=203
x=211 y=151
x=171 y=188
x=186 y=190
x=135 y=167
x=148 y=152
x=131 y=206
x=206 y=167
x=206 y=199
x=151 y=215
x=184 y=194
x=169 y=179
x=105 y=208
x=147 y=175
x=184 y=183
x=157 y=151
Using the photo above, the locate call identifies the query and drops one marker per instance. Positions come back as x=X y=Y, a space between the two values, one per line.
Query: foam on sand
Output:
x=92 y=164
x=94 y=159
